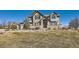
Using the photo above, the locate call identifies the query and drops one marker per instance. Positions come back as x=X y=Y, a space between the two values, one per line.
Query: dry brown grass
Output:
x=55 y=39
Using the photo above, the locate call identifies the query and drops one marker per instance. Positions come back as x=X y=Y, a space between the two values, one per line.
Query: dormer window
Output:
x=53 y=17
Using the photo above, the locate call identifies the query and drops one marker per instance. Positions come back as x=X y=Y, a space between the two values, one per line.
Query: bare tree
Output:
x=74 y=23
x=26 y=23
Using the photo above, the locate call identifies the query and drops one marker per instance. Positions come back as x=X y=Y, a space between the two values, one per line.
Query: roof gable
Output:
x=54 y=13
x=37 y=12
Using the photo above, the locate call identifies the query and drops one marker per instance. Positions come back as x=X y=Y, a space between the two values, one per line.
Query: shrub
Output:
x=13 y=26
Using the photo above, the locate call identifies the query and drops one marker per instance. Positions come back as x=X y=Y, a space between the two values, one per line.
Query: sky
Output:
x=19 y=15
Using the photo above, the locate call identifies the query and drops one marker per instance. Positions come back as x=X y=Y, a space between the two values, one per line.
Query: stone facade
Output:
x=44 y=22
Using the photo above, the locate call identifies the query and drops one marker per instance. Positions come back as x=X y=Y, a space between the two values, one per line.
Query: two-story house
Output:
x=39 y=21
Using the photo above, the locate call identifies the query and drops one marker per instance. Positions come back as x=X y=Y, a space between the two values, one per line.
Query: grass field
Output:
x=55 y=39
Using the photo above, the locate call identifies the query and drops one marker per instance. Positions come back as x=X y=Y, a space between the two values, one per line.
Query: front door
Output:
x=44 y=23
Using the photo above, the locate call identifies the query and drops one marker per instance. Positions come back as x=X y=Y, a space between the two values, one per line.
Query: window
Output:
x=30 y=22
x=35 y=24
x=54 y=23
x=40 y=23
x=37 y=28
x=37 y=16
x=29 y=19
x=53 y=17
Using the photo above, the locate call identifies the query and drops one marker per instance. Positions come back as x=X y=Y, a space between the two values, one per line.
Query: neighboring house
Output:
x=39 y=21
x=11 y=26
x=16 y=26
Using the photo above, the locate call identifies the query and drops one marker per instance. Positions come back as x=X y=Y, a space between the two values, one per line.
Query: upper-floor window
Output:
x=37 y=16
x=53 y=17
